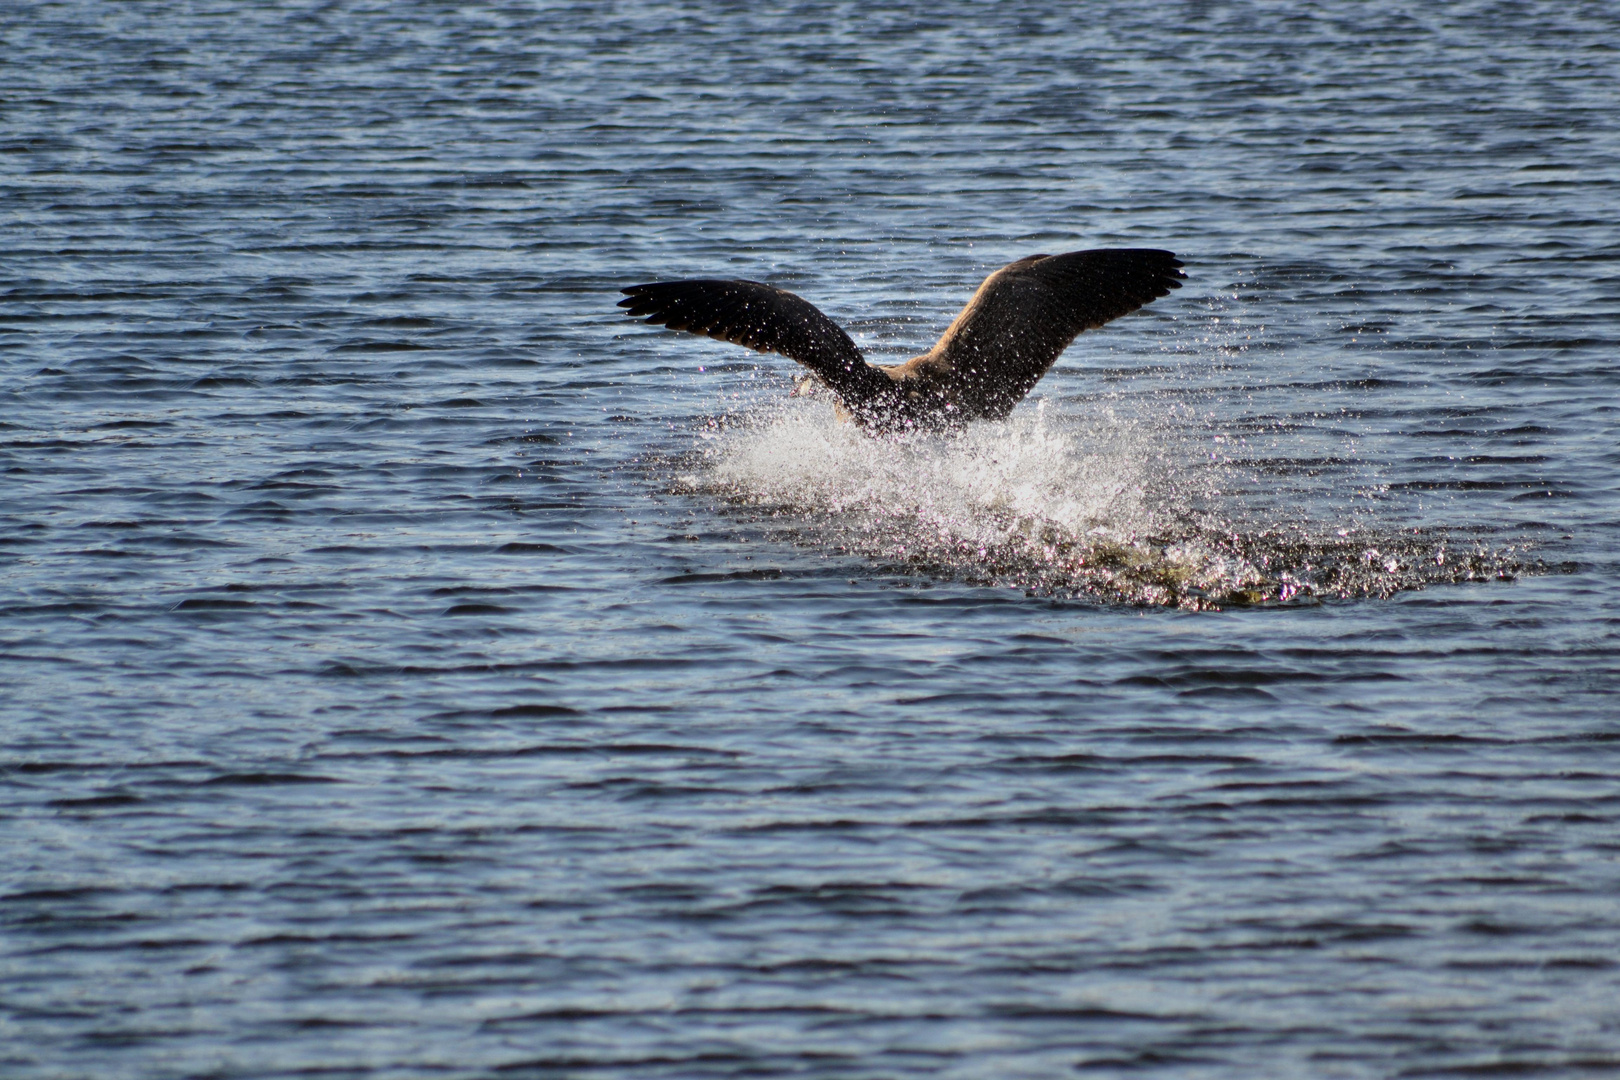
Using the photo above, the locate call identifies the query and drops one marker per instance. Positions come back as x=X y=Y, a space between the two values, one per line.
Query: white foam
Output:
x=982 y=485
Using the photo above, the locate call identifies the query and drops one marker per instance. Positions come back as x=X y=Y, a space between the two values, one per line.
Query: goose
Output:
x=1010 y=334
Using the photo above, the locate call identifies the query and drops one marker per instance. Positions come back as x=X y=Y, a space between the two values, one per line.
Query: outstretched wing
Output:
x=1026 y=313
x=763 y=318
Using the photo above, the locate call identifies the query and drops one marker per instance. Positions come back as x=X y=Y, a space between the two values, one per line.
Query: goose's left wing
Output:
x=763 y=318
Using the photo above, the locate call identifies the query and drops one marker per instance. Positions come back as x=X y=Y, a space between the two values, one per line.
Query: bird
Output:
x=1010 y=334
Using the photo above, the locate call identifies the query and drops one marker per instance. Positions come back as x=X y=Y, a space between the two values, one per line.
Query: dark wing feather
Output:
x=1027 y=313
x=764 y=318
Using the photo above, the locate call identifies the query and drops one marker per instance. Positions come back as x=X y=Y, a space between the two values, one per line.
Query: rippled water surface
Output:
x=411 y=667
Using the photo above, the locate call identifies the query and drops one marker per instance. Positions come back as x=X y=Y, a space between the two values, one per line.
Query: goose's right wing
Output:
x=1026 y=313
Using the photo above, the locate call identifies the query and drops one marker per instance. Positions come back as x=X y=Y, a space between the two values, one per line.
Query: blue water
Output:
x=413 y=668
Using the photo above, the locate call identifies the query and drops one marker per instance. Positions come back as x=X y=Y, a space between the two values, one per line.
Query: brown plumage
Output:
x=1009 y=335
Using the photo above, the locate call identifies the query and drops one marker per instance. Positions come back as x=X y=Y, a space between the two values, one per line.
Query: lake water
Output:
x=414 y=668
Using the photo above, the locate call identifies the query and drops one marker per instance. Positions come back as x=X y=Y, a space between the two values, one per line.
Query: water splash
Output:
x=1111 y=511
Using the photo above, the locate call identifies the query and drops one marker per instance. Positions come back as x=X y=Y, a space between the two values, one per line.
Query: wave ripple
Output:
x=1056 y=508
